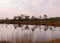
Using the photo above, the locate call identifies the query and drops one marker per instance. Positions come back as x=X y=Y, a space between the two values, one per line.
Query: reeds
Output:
x=28 y=41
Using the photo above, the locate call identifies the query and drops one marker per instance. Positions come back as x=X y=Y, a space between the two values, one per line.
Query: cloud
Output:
x=29 y=7
x=53 y=8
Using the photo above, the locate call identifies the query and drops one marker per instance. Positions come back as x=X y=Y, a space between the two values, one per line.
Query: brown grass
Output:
x=52 y=41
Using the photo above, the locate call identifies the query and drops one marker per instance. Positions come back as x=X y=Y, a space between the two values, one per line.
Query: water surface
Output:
x=14 y=32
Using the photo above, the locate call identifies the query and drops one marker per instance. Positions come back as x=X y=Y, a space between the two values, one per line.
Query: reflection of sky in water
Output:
x=10 y=33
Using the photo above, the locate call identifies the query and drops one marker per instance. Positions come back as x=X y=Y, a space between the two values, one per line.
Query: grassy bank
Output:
x=51 y=41
x=32 y=22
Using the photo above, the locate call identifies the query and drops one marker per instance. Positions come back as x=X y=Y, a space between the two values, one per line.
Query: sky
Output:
x=11 y=8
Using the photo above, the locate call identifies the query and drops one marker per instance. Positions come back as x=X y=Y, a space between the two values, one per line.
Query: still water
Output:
x=14 y=32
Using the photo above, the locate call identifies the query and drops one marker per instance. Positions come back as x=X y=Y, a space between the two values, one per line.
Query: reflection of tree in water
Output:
x=6 y=25
x=55 y=26
x=17 y=25
x=40 y=27
x=26 y=27
x=45 y=28
x=59 y=28
x=34 y=27
x=50 y=28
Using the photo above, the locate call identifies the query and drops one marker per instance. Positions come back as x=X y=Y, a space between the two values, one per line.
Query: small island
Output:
x=53 y=21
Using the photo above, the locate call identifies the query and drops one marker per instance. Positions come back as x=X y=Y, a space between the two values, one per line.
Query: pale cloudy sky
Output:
x=10 y=8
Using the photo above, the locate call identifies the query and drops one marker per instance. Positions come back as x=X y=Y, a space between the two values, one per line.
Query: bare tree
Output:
x=40 y=17
x=27 y=17
x=45 y=16
x=14 y=17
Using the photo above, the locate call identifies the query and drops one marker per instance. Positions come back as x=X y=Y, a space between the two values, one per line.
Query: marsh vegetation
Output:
x=26 y=29
x=53 y=21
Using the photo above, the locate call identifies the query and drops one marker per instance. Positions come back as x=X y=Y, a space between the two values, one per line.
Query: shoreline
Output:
x=44 y=22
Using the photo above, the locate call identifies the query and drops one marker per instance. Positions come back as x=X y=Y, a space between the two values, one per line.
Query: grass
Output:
x=42 y=22
x=51 y=41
